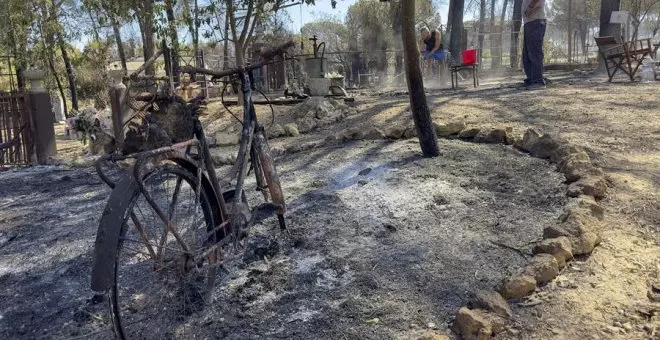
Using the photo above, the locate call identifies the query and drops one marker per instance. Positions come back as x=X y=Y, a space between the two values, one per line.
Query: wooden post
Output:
x=420 y=110
x=41 y=115
x=117 y=95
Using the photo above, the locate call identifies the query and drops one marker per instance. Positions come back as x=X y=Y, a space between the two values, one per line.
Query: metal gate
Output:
x=16 y=144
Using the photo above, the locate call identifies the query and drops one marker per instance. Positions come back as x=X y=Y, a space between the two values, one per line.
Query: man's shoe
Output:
x=536 y=86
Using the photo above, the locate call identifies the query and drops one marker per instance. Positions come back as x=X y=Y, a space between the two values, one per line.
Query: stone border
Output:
x=577 y=232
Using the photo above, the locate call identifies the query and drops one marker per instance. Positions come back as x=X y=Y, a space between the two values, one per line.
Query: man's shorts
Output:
x=439 y=55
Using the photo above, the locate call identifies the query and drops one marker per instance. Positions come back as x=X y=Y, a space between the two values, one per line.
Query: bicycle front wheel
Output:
x=164 y=272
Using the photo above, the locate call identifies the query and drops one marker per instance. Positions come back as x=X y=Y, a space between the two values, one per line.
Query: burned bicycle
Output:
x=169 y=221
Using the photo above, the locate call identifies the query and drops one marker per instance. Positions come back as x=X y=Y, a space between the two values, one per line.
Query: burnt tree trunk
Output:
x=456 y=9
x=495 y=61
x=482 y=26
x=120 y=44
x=420 y=110
x=505 y=3
x=174 y=39
x=516 y=24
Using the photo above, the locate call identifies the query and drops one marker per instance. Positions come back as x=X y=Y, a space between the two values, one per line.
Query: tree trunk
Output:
x=69 y=73
x=505 y=3
x=395 y=13
x=606 y=28
x=420 y=110
x=120 y=44
x=225 y=47
x=482 y=27
x=456 y=34
x=95 y=29
x=516 y=23
x=495 y=61
x=174 y=39
x=145 y=18
x=570 y=31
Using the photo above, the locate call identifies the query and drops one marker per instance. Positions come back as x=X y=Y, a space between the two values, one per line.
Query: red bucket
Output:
x=469 y=57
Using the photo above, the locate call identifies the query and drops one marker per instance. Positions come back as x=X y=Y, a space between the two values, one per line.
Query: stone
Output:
x=530 y=137
x=306 y=124
x=374 y=134
x=595 y=186
x=545 y=146
x=276 y=131
x=410 y=132
x=559 y=247
x=292 y=130
x=492 y=136
x=587 y=202
x=492 y=301
x=395 y=132
x=433 y=336
x=564 y=151
x=226 y=139
x=469 y=133
x=582 y=227
x=578 y=165
x=477 y=324
x=449 y=129
x=543 y=267
x=518 y=286
x=221 y=160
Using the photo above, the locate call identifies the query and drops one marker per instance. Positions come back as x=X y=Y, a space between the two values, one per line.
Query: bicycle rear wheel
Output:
x=164 y=275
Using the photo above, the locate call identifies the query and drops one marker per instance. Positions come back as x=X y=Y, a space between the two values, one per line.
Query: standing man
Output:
x=434 y=52
x=532 y=55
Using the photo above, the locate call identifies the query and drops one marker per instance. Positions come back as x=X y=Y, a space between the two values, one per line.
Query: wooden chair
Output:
x=626 y=56
x=469 y=63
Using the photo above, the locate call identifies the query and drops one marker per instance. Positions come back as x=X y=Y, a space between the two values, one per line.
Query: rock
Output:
x=653 y=295
x=226 y=139
x=433 y=336
x=595 y=186
x=587 y=202
x=582 y=227
x=518 y=286
x=578 y=165
x=449 y=129
x=477 y=324
x=469 y=133
x=432 y=325
x=492 y=136
x=564 y=151
x=545 y=146
x=395 y=132
x=543 y=267
x=292 y=130
x=276 y=131
x=530 y=137
x=492 y=301
x=223 y=159
x=306 y=124
x=363 y=182
x=410 y=132
x=559 y=247
x=374 y=134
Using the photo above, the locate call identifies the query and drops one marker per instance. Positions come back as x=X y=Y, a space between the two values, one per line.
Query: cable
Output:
x=272 y=109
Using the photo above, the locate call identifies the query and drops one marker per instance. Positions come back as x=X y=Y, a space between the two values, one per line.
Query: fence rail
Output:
x=16 y=145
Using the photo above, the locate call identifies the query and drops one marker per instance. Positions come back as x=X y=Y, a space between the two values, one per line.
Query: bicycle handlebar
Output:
x=265 y=55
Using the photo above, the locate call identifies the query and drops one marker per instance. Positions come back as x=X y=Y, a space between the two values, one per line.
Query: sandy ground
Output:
x=392 y=252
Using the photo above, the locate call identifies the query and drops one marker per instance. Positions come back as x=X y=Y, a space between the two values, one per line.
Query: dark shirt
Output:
x=430 y=42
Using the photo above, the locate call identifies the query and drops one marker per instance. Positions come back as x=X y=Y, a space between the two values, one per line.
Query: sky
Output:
x=324 y=8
